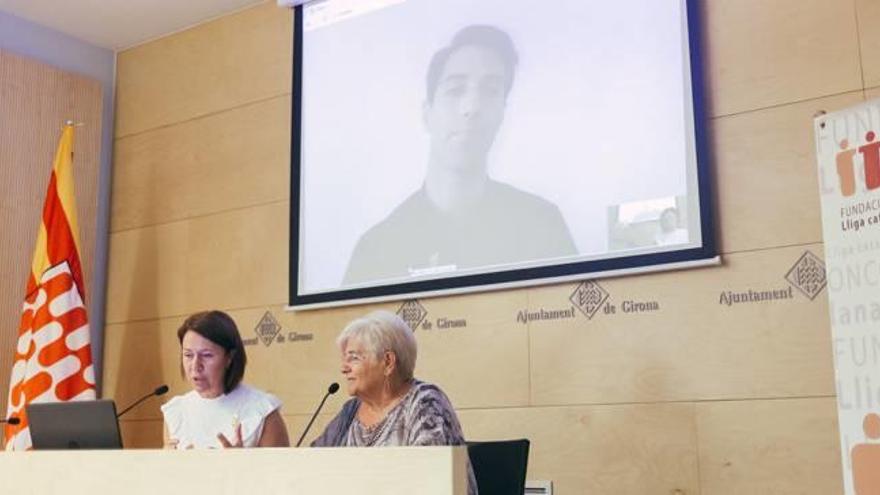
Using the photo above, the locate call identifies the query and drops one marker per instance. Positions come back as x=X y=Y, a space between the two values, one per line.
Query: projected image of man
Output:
x=461 y=217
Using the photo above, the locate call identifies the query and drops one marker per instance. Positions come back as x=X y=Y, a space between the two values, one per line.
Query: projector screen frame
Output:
x=704 y=255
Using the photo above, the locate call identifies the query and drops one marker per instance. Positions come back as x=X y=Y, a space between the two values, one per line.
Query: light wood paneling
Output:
x=770 y=447
x=765 y=175
x=138 y=357
x=619 y=450
x=762 y=54
x=872 y=93
x=141 y=434
x=869 y=37
x=693 y=348
x=231 y=260
x=237 y=59
x=296 y=423
x=486 y=363
x=221 y=162
x=483 y=364
x=35 y=101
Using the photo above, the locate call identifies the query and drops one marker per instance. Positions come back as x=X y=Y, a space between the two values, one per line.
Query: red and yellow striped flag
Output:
x=53 y=357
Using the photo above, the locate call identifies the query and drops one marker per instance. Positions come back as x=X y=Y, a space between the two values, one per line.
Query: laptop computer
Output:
x=74 y=425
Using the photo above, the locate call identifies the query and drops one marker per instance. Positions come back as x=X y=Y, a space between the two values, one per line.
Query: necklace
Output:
x=373 y=433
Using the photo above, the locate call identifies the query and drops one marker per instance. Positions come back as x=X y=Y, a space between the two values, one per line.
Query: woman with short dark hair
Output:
x=220 y=411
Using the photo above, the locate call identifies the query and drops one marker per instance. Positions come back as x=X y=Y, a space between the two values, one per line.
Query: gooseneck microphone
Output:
x=330 y=391
x=159 y=391
x=12 y=420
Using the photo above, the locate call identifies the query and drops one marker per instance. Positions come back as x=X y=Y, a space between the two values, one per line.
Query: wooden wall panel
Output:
x=141 y=434
x=869 y=18
x=485 y=363
x=296 y=424
x=230 y=260
x=775 y=447
x=298 y=371
x=35 y=101
x=489 y=349
x=138 y=357
x=620 y=450
x=238 y=59
x=765 y=175
x=696 y=347
x=219 y=162
x=762 y=54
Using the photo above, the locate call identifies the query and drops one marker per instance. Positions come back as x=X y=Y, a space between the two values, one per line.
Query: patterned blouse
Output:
x=423 y=417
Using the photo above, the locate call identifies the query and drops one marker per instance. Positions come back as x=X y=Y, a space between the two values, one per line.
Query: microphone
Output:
x=161 y=390
x=330 y=391
x=12 y=420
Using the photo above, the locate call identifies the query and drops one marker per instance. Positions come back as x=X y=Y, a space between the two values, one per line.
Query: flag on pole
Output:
x=53 y=357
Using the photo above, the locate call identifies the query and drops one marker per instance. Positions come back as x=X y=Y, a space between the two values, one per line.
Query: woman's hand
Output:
x=231 y=445
x=174 y=444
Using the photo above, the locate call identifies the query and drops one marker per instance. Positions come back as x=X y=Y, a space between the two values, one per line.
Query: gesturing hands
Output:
x=237 y=443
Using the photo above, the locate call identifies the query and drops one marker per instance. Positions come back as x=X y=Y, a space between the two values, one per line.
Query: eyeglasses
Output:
x=353 y=357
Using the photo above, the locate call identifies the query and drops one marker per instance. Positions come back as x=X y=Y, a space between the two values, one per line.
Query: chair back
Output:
x=500 y=466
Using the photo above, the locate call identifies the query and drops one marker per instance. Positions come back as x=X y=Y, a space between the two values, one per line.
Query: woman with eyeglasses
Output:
x=389 y=406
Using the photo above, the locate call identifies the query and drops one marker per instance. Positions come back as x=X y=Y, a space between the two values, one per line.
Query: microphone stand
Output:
x=159 y=391
x=330 y=391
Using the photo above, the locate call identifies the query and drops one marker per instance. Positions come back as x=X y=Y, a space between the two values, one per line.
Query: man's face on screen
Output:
x=467 y=107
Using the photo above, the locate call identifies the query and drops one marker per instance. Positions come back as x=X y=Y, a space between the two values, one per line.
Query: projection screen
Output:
x=443 y=146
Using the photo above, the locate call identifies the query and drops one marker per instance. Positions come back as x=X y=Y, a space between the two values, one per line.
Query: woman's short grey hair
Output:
x=382 y=331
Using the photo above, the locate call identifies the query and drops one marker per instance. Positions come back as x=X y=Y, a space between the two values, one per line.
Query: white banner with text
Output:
x=848 y=155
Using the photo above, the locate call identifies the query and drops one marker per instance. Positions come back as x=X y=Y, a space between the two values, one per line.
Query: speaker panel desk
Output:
x=386 y=470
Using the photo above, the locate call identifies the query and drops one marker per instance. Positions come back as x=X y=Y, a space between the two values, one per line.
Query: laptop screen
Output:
x=74 y=425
